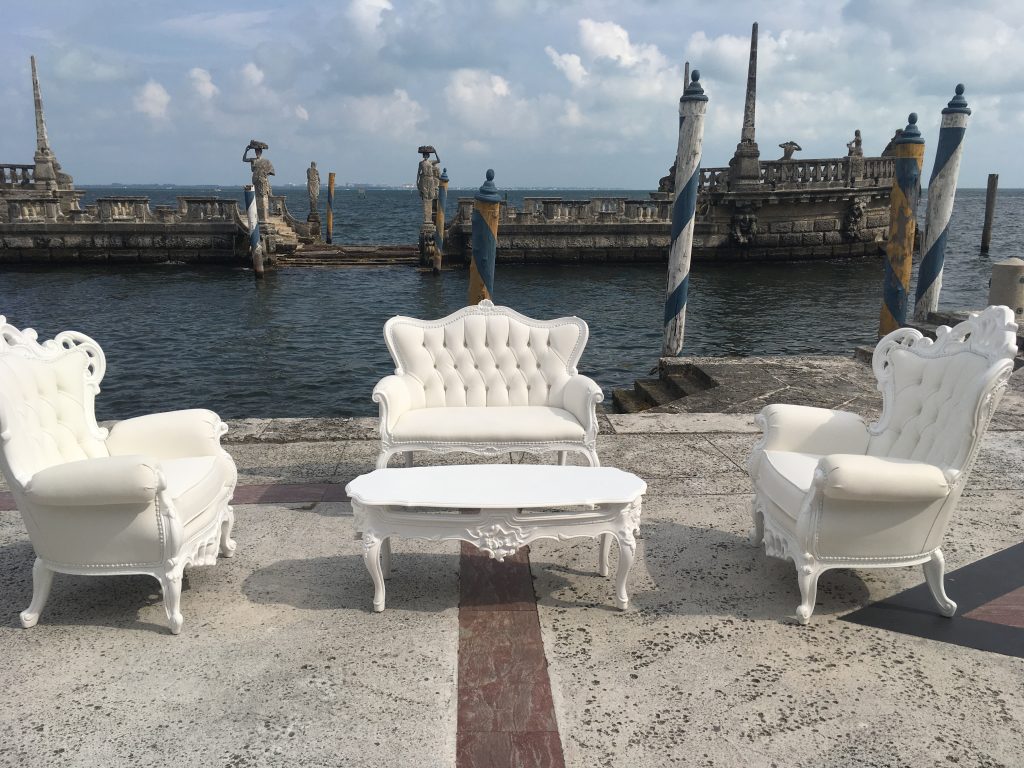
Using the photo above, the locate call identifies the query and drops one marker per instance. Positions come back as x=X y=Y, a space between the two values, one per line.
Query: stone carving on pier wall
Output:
x=853 y=222
x=743 y=227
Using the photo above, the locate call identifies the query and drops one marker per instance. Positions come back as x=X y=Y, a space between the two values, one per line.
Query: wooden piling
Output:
x=486 y=210
x=990 y=210
x=330 y=207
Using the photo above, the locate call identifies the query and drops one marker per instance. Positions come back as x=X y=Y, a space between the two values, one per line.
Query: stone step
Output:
x=655 y=391
x=626 y=401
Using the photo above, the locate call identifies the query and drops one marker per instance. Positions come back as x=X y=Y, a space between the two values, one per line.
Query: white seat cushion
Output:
x=503 y=424
x=194 y=484
x=786 y=476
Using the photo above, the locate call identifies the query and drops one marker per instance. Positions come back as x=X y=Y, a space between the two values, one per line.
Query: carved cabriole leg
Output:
x=627 y=550
x=934 y=570
x=592 y=458
x=371 y=557
x=170 y=583
x=382 y=458
x=757 y=532
x=42 y=580
x=604 y=553
x=385 y=557
x=562 y=458
x=807 y=573
x=227 y=544
x=408 y=458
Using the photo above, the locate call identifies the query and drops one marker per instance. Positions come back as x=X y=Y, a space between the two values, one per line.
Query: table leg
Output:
x=627 y=549
x=604 y=553
x=562 y=456
x=371 y=557
x=385 y=557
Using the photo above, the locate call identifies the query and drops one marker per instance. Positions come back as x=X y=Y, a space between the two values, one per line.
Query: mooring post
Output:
x=990 y=211
x=941 y=192
x=692 y=106
x=330 y=208
x=906 y=191
x=253 y=220
x=1007 y=286
x=442 y=199
x=484 y=239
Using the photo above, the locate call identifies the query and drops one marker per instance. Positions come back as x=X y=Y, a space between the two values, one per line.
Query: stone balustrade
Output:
x=124 y=208
x=31 y=210
x=555 y=210
x=208 y=209
x=15 y=175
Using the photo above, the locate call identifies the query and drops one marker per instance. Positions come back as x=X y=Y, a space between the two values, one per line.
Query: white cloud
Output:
x=301 y=113
x=572 y=117
x=607 y=40
x=367 y=16
x=152 y=100
x=239 y=28
x=253 y=75
x=569 y=64
x=203 y=83
x=77 y=64
x=395 y=114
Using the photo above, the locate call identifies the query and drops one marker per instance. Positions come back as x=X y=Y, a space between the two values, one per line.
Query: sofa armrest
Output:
x=879 y=479
x=811 y=430
x=104 y=481
x=580 y=398
x=170 y=435
x=397 y=394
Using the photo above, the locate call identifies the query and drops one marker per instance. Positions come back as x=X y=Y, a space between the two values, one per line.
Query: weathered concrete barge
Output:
x=777 y=210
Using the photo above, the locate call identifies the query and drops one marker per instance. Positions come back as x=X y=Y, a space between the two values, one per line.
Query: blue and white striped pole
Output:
x=692 y=106
x=941 y=192
x=255 y=248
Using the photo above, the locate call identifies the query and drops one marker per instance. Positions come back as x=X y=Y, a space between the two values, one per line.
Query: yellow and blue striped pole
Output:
x=692 y=106
x=941 y=192
x=484 y=240
x=442 y=199
x=253 y=220
x=330 y=207
x=906 y=191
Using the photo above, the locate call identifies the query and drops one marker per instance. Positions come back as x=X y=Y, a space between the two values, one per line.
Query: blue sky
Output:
x=547 y=92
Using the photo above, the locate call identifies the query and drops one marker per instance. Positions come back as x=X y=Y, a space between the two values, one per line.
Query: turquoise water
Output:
x=308 y=342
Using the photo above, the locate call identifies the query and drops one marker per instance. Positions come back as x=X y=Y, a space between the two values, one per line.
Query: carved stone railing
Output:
x=786 y=174
x=208 y=209
x=125 y=208
x=713 y=179
x=879 y=170
x=16 y=175
x=31 y=210
x=555 y=210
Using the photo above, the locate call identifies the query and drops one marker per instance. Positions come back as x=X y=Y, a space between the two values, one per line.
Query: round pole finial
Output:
x=958 y=104
x=911 y=134
x=488 y=192
x=444 y=174
x=693 y=91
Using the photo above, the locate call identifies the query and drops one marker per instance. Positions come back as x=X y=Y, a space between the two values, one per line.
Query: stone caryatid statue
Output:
x=262 y=170
x=855 y=148
x=313 y=186
x=428 y=178
x=788 y=148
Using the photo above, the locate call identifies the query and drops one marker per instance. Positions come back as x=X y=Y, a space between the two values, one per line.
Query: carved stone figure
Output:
x=262 y=170
x=890 y=147
x=427 y=181
x=788 y=148
x=744 y=227
x=313 y=186
x=855 y=148
x=668 y=183
x=853 y=223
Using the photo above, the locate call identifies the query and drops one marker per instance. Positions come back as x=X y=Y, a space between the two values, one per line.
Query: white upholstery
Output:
x=831 y=492
x=151 y=496
x=488 y=380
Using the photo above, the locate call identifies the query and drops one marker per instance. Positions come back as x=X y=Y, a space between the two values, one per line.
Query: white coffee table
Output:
x=497 y=507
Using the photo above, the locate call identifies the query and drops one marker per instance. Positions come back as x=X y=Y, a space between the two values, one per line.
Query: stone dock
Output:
x=281 y=661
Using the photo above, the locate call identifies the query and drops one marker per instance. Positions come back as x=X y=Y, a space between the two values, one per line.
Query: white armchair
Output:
x=487 y=380
x=149 y=496
x=833 y=492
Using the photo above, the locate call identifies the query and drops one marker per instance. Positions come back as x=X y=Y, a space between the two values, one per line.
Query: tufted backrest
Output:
x=487 y=355
x=47 y=395
x=937 y=397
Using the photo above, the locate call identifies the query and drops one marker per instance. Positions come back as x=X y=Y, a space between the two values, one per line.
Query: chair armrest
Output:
x=580 y=398
x=170 y=435
x=811 y=430
x=108 y=480
x=879 y=479
x=397 y=394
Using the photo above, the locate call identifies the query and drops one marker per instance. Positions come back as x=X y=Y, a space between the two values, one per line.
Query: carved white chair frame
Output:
x=990 y=334
x=391 y=446
x=179 y=552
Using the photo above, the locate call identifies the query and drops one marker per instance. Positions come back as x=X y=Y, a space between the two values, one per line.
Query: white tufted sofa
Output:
x=487 y=380
x=149 y=496
x=832 y=492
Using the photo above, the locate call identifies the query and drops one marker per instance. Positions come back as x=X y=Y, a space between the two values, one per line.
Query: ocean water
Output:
x=308 y=342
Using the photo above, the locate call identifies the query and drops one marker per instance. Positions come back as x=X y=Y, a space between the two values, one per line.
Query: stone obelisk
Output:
x=744 y=168
x=45 y=175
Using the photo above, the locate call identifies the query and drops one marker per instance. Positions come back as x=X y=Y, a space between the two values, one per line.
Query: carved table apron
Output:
x=499 y=508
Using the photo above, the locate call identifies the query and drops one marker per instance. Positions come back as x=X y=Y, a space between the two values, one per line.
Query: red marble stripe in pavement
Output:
x=1007 y=610
x=506 y=715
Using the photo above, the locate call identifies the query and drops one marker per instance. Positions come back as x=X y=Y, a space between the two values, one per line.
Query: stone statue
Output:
x=890 y=148
x=855 y=148
x=313 y=186
x=667 y=183
x=788 y=148
x=427 y=181
x=262 y=170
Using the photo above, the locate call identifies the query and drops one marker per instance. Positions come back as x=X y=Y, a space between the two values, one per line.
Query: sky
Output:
x=549 y=93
